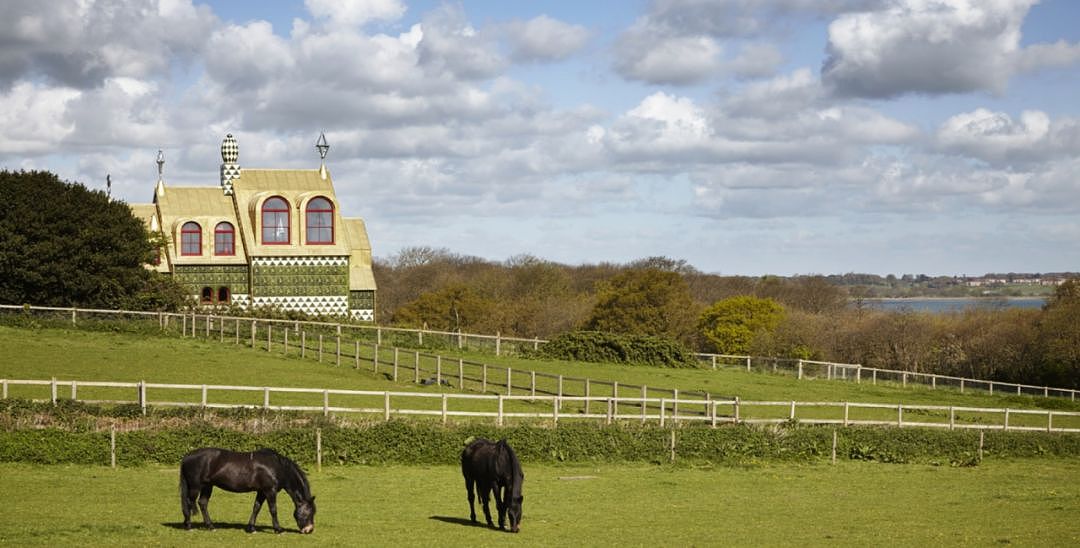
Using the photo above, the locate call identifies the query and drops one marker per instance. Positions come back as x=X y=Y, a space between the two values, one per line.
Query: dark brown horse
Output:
x=493 y=466
x=264 y=471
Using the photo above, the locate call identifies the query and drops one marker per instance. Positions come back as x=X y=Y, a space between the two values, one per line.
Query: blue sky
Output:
x=743 y=136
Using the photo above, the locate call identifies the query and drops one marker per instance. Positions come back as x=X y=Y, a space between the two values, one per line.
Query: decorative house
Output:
x=265 y=237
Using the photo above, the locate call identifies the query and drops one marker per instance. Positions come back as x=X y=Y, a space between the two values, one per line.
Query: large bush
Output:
x=597 y=347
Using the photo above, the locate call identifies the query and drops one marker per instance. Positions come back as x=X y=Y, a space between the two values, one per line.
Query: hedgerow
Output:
x=164 y=437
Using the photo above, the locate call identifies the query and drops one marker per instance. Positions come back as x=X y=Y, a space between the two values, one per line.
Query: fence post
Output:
x=303 y=344
x=663 y=407
x=961 y=385
x=834 y=446
x=444 y=409
x=800 y=369
x=73 y=315
x=509 y=379
x=395 y=363
x=356 y=355
x=221 y=330
x=318 y=449
x=461 y=374
x=560 y=383
x=483 y=379
x=900 y=415
x=615 y=389
x=253 y=329
x=386 y=406
x=952 y=418
x=712 y=413
x=203 y=396
x=532 y=383
x=1006 y=426
x=320 y=347
x=792 y=415
x=374 y=357
x=644 y=402
x=846 y=413
x=587 y=383
x=112 y=446
x=748 y=364
x=555 y=411
x=420 y=335
x=337 y=350
x=416 y=366
x=1049 y=421
x=610 y=409
x=266 y=397
x=498 y=343
x=675 y=406
x=208 y=322
x=237 y=331
x=269 y=335
x=981 y=435
x=378 y=335
x=460 y=345
x=326 y=403
x=438 y=370
x=500 y=419
x=74 y=392
x=736 y=410
x=183 y=329
x=142 y=396
x=714 y=361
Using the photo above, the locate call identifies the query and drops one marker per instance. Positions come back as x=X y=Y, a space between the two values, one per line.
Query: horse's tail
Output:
x=183 y=491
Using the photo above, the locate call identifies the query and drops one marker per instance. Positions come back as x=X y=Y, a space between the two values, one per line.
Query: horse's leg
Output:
x=485 y=496
x=259 y=498
x=271 y=500
x=204 y=500
x=469 y=489
x=500 y=505
x=187 y=504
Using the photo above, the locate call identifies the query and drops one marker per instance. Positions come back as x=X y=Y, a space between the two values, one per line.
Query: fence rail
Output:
x=500 y=344
x=609 y=409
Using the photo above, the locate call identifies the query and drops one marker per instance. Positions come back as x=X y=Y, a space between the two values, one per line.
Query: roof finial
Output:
x=160 y=165
x=108 y=186
x=322 y=147
x=230 y=169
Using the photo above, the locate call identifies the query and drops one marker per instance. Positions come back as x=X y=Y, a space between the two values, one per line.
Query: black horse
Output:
x=494 y=466
x=264 y=471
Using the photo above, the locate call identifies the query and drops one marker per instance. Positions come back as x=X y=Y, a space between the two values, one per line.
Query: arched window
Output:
x=320 y=221
x=223 y=295
x=207 y=296
x=191 y=239
x=275 y=221
x=224 y=239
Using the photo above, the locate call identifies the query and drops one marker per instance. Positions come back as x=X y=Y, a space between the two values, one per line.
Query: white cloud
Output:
x=996 y=138
x=80 y=44
x=545 y=39
x=355 y=12
x=756 y=60
x=676 y=60
x=38 y=113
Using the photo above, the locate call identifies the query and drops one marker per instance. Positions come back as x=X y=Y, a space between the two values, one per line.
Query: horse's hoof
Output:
x=278 y=531
x=249 y=529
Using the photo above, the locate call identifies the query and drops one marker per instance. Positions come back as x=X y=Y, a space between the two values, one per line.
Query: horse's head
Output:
x=513 y=511
x=305 y=515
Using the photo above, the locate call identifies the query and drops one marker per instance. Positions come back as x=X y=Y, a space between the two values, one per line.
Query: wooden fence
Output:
x=553 y=409
x=396 y=336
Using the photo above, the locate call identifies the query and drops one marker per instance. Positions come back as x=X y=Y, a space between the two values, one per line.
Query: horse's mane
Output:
x=515 y=465
x=294 y=475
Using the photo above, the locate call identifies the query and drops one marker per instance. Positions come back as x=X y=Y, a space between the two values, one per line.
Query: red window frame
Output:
x=224 y=233
x=191 y=237
x=275 y=209
x=319 y=209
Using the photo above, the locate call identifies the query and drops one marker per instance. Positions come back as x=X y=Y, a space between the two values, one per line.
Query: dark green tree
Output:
x=646 y=301
x=455 y=307
x=732 y=324
x=62 y=244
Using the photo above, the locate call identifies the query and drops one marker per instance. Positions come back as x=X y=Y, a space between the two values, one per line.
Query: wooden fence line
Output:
x=667 y=410
x=801 y=368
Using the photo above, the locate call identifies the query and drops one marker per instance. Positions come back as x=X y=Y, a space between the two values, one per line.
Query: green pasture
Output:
x=89 y=355
x=1021 y=502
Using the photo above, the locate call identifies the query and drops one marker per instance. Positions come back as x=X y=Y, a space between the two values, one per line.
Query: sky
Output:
x=745 y=137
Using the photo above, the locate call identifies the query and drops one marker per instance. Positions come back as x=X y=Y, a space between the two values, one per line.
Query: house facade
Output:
x=264 y=237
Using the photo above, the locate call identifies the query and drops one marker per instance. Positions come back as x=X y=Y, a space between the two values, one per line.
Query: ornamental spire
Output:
x=230 y=169
x=323 y=148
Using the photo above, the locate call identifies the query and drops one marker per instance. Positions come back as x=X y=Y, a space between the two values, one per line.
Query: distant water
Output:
x=953 y=304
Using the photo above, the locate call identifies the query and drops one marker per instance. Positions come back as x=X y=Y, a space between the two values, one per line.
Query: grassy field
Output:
x=1028 y=503
x=107 y=356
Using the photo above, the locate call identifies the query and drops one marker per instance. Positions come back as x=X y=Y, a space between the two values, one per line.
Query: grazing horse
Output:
x=493 y=466
x=264 y=471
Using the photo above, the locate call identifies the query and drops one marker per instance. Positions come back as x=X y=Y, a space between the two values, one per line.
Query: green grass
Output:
x=1024 y=502
x=109 y=356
